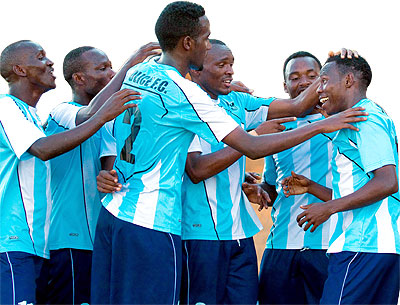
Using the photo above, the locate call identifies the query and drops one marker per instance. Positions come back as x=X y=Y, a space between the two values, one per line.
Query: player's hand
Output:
x=343 y=120
x=295 y=185
x=251 y=177
x=256 y=194
x=240 y=87
x=118 y=103
x=107 y=181
x=273 y=126
x=344 y=53
x=145 y=51
x=314 y=214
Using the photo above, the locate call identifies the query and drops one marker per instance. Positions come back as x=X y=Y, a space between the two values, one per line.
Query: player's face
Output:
x=201 y=45
x=216 y=76
x=330 y=91
x=39 y=69
x=300 y=73
x=97 y=72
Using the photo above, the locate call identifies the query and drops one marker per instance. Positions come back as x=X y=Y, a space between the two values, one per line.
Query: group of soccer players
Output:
x=176 y=224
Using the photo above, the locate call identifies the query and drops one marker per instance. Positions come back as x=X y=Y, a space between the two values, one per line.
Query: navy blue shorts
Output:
x=66 y=277
x=19 y=274
x=362 y=278
x=219 y=272
x=292 y=276
x=134 y=265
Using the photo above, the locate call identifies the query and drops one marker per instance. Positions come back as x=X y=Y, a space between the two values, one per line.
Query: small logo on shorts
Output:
x=73 y=234
x=196 y=225
x=13 y=237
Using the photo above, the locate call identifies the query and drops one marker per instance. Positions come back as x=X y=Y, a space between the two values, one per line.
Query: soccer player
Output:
x=295 y=260
x=76 y=201
x=218 y=222
x=139 y=228
x=364 y=205
x=24 y=175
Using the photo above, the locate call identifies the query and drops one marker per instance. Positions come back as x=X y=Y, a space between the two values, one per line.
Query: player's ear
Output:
x=78 y=78
x=349 y=80
x=187 y=43
x=285 y=87
x=19 y=70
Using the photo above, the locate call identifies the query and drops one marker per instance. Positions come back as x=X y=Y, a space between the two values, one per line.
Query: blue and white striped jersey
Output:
x=311 y=159
x=217 y=208
x=152 y=144
x=373 y=228
x=25 y=204
x=76 y=200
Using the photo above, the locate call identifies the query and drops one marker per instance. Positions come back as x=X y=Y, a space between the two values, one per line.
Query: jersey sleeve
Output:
x=20 y=131
x=374 y=143
x=256 y=110
x=64 y=115
x=200 y=115
x=108 y=146
x=195 y=145
x=269 y=174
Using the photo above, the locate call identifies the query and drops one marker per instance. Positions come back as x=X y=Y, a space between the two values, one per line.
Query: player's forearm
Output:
x=299 y=106
x=321 y=192
x=52 y=146
x=260 y=146
x=383 y=184
x=201 y=167
x=113 y=86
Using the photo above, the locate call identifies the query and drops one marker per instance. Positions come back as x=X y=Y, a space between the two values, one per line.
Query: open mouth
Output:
x=323 y=100
x=227 y=82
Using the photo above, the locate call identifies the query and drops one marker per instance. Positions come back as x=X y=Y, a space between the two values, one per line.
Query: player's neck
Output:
x=27 y=95
x=178 y=62
x=355 y=98
x=81 y=99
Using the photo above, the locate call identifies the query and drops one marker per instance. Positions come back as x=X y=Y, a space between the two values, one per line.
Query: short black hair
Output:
x=218 y=42
x=178 y=19
x=359 y=66
x=73 y=63
x=8 y=58
x=297 y=55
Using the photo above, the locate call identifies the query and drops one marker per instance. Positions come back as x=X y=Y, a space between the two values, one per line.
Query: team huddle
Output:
x=135 y=192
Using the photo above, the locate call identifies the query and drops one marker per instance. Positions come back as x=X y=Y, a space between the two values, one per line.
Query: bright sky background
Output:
x=261 y=35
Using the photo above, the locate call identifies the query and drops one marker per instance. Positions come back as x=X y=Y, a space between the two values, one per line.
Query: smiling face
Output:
x=201 y=45
x=331 y=91
x=216 y=76
x=38 y=68
x=300 y=73
x=97 y=71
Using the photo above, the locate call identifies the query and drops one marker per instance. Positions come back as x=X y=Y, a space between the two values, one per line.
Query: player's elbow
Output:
x=37 y=150
x=194 y=175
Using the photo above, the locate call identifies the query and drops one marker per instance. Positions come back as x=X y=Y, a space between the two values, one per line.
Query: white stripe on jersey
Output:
x=146 y=205
x=345 y=170
x=26 y=172
x=49 y=206
x=236 y=192
x=386 y=239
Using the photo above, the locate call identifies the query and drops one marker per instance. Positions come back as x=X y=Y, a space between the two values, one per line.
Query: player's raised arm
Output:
x=114 y=85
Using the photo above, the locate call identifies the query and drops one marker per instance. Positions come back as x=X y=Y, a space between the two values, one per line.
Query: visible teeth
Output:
x=324 y=99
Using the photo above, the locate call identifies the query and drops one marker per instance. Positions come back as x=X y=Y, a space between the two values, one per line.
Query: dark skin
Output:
x=300 y=73
x=32 y=76
x=338 y=92
x=190 y=53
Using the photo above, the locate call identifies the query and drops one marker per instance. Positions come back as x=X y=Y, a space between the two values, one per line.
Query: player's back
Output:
x=152 y=142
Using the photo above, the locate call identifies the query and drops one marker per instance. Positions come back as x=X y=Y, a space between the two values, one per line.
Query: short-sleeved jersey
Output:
x=76 y=200
x=217 y=208
x=311 y=159
x=373 y=228
x=152 y=144
x=25 y=203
